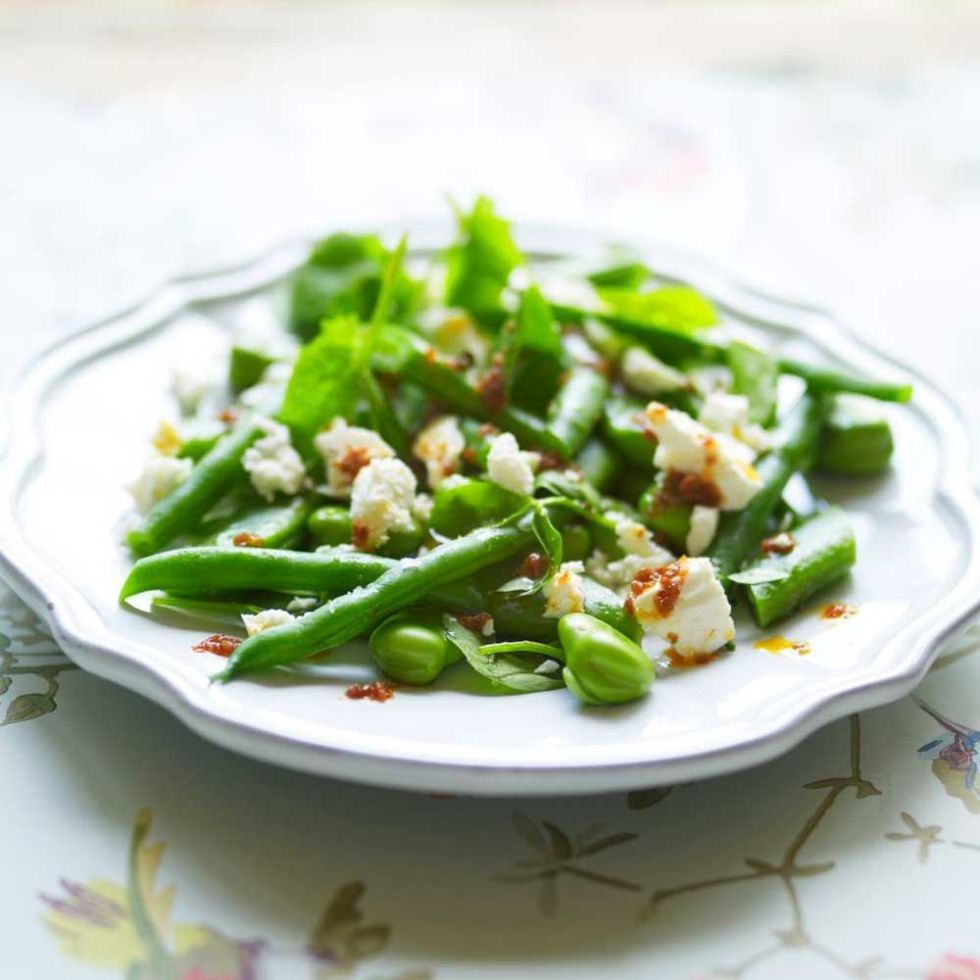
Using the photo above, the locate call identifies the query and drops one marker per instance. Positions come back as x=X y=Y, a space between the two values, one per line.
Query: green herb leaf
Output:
x=758 y=575
x=461 y=507
x=326 y=379
x=756 y=375
x=523 y=646
x=549 y=537
x=627 y=275
x=479 y=264
x=507 y=670
x=678 y=308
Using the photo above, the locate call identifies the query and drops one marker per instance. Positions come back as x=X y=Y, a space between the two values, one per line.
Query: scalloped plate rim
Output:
x=53 y=597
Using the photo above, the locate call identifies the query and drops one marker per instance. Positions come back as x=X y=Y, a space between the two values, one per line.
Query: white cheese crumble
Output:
x=689 y=447
x=729 y=414
x=701 y=532
x=565 y=591
x=440 y=446
x=189 y=383
x=685 y=605
x=648 y=375
x=161 y=475
x=509 y=466
x=265 y=620
x=382 y=498
x=346 y=449
x=617 y=575
x=422 y=508
x=635 y=539
x=457 y=334
x=272 y=463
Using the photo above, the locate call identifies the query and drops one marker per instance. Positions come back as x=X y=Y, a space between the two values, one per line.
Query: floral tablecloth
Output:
x=134 y=849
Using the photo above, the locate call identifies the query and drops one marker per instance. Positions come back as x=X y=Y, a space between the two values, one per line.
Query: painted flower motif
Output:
x=954 y=759
x=953 y=967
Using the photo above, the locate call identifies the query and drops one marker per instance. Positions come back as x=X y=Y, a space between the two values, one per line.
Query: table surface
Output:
x=134 y=849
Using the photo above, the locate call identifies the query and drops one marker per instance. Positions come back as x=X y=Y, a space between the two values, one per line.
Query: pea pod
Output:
x=347 y=616
x=823 y=552
x=210 y=479
x=856 y=439
x=740 y=532
x=602 y=666
x=577 y=407
x=519 y=615
x=412 y=647
x=600 y=463
x=622 y=425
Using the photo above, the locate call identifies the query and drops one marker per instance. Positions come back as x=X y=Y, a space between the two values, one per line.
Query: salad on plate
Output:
x=552 y=472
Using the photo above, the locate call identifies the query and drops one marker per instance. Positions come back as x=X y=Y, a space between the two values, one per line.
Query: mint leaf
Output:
x=509 y=670
x=479 y=264
x=678 y=308
x=326 y=379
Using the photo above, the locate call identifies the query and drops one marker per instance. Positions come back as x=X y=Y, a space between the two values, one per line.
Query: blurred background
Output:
x=825 y=150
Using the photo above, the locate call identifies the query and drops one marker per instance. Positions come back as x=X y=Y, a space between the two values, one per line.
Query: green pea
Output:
x=412 y=647
x=329 y=525
x=601 y=665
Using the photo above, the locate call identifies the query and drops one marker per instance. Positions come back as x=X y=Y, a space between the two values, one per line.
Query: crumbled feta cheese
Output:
x=635 y=539
x=302 y=604
x=422 y=508
x=648 y=375
x=160 y=476
x=440 y=446
x=565 y=591
x=265 y=395
x=265 y=620
x=382 y=498
x=617 y=575
x=272 y=462
x=684 y=604
x=509 y=466
x=701 y=531
x=346 y=450
x=190 y=382
x=717 y=459
x=729 y=414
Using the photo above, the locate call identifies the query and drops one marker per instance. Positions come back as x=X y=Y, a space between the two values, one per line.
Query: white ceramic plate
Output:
x=79 y=427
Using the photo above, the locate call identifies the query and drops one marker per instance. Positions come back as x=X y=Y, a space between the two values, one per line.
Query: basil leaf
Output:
x=479 y=264
x=503 y=669
x=679 y=308
x=326 y=378
x=758 y=575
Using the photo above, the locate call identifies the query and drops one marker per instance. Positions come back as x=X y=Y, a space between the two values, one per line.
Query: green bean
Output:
x=347 y=616
x=272 y=526
x=199 y=438
x=823 y=552
x=665 y=514
x=577 y=407
x=576 y=542
x=408 y=356
x=519 y=615
x=213 y=571
x=674 y=347
x=600 y=464
x=602 y=666
x=412 y=647
x=740 y=532
x=756 y=375
x=622 y=424
x=856 y=439
x=209 y=481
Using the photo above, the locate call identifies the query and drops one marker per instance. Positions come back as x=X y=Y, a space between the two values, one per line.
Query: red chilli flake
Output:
x=492 y=388
x=838 y=610
x=375 y=691
x=667 y=579
x=220 y=644
x=247 y=540
x=778 y=544
x=691 y=489
x=228 y=415
x=354 y=460
x=474 y=621
x=550 y=460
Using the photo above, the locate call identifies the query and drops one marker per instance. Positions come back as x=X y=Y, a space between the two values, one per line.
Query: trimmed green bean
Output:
x=272 y=526
x=577 y=407
x=823 y=552
x=349 y=615
x=856 y=439
x=740 y=532
x=209 y=481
